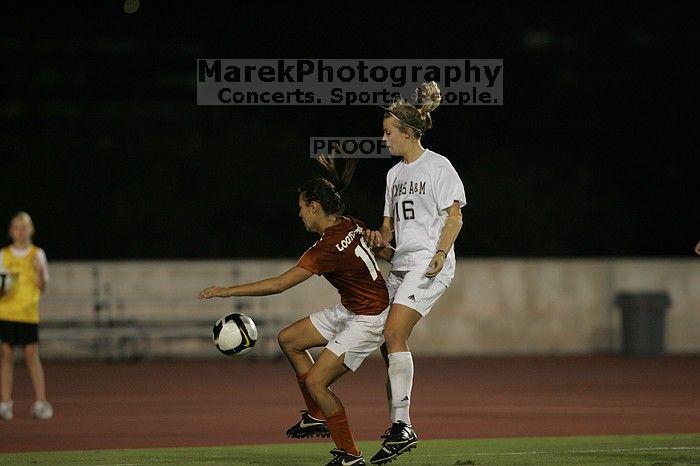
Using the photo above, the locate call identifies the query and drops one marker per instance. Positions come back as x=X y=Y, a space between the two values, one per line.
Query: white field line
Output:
x=553 y=409
x=537 y=452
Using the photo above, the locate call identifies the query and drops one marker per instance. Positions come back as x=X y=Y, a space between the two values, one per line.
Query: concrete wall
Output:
x=557 y=306
x=493 y=306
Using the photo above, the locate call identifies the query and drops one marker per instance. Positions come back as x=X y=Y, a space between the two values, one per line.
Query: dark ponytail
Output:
x=326 y=191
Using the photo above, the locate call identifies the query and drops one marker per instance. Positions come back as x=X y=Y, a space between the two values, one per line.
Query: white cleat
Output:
x=42 y=410
x=6 y=410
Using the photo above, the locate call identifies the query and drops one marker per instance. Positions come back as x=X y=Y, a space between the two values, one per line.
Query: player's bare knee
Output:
x=285 y=339
x=395 y=339
x=31 y=353
x=315 y=383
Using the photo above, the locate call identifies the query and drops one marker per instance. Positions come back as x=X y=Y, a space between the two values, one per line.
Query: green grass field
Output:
x=647 y=450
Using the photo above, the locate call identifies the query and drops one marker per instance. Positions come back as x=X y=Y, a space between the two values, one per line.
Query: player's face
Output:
x=395 y=140
x=20 y=231
x=306 y=213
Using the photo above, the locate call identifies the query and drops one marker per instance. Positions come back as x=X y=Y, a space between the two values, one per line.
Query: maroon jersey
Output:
x=342 y=256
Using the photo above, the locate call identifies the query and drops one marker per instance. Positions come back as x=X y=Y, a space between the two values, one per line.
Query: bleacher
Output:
x=128 y=339
x=122 y=312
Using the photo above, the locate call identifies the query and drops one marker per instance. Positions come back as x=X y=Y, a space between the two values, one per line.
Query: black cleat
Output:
x=344 y=458
x=309 y=426
x=398 y=439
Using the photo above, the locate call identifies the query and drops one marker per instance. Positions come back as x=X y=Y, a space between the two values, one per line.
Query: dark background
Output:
x=102 y=143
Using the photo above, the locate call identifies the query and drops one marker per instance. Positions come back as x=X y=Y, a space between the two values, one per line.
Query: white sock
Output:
x=401 y=378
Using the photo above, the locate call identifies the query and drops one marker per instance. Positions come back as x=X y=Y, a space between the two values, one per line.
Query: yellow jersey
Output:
x=21 y=304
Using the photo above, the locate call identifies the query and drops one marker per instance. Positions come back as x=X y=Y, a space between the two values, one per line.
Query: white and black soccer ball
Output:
x=235 y=334
x=6 y=281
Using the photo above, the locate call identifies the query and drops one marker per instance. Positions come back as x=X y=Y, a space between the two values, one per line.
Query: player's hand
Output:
x=697 y=248
x=213 y=292
x=375 y=239
x=435 y=265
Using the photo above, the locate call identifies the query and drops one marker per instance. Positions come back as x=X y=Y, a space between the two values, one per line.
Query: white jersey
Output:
x=417 y=195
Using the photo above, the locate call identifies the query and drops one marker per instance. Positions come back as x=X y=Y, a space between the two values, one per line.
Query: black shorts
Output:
x=18 y=333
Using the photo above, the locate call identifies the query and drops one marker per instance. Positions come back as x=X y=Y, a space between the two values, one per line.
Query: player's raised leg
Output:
x=400 y=437
x=325 y=371
x=295 y=341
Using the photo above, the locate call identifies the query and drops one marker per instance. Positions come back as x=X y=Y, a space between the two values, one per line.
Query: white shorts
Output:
x=413 y=289
x=350 y=334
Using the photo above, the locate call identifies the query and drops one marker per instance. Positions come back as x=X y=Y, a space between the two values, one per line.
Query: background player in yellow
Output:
x=19 y=314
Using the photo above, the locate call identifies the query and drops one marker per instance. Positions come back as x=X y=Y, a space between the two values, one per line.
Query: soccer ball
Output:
x=235 y=334
x=5 y=281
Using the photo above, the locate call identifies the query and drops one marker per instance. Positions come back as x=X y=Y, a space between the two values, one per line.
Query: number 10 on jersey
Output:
x=362 y=251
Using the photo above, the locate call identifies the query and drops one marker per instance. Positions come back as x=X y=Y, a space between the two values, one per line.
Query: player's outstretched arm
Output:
x=275 y=285
x=448 y=236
